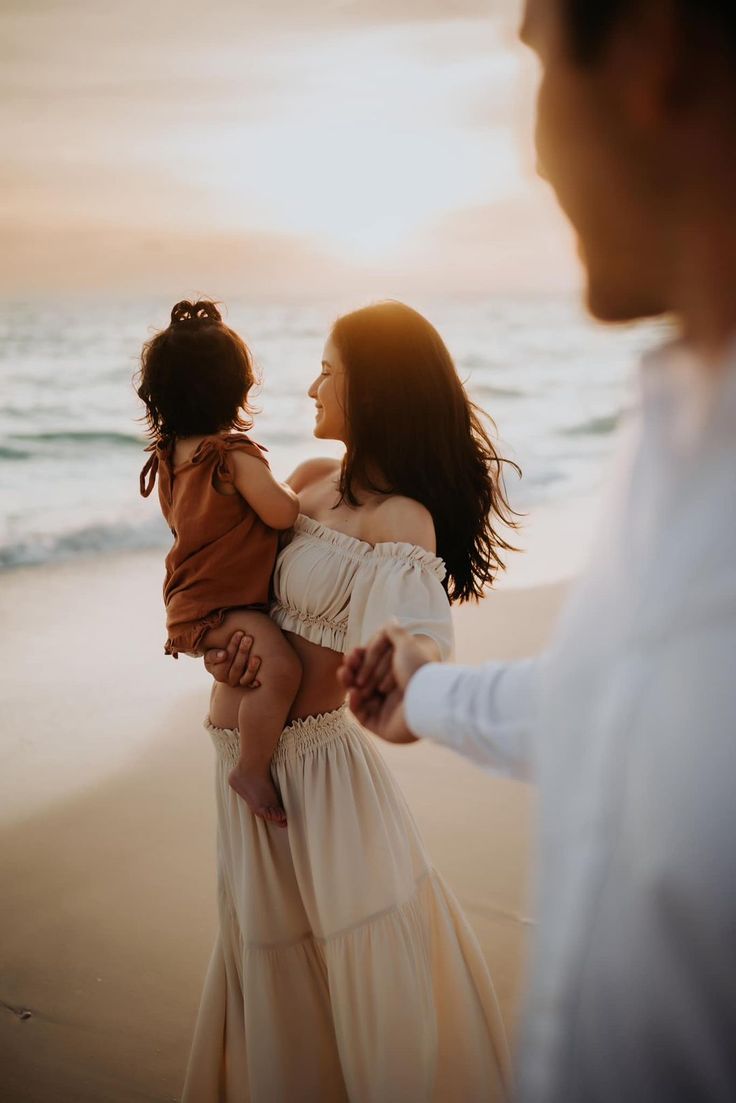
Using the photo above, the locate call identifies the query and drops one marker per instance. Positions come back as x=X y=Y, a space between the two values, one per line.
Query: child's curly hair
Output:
x=195 y=375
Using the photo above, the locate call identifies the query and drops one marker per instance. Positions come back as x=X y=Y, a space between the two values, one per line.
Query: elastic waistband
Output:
x=297 y=738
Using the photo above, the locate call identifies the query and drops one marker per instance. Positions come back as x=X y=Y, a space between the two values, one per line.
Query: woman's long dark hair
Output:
x=412 y=430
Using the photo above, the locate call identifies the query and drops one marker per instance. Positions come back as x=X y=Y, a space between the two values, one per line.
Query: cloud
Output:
x=521 y=244
x=303 y=126
x=88 y=194
x=80 y=259
x=44 y=42
x=152 y=144
x=82 y=79
x=518 y=244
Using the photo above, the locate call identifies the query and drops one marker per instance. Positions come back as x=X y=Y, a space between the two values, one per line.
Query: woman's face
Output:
x=328 y=393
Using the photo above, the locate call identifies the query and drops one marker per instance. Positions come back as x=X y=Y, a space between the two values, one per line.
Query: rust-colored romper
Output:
x=223 y=554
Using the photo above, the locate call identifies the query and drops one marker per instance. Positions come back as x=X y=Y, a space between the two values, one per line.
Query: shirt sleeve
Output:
x=486 y=714
x=404 y=582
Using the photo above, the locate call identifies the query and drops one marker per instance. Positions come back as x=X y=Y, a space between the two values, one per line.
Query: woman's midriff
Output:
x=319 y=691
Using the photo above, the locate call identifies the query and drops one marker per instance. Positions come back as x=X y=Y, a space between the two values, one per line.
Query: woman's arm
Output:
x=401 y=692
x=311 y=471
x=487 y=713
x=275 y=503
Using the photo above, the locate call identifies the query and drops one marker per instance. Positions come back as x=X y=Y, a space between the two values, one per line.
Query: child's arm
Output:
x=276 y=505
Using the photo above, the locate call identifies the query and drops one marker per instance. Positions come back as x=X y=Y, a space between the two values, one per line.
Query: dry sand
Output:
x=107 y=905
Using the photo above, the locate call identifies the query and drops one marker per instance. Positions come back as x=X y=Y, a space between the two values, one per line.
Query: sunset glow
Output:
x=254 y=150
x=369 y=150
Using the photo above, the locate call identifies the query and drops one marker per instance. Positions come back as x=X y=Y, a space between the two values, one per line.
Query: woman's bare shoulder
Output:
x=402 y=520
x=310 y=471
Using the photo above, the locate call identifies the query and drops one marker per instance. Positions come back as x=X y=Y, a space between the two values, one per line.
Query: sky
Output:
x=280 y=149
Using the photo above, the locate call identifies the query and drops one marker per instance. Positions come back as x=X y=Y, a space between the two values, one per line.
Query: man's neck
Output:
x=704 y=276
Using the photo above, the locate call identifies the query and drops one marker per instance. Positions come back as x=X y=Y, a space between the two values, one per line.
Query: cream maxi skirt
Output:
x=344 y=968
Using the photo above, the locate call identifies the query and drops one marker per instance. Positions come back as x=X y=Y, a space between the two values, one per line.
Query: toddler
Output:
x=224 y=508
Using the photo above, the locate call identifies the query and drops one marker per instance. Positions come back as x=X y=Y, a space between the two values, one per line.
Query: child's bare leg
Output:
x=262 y=712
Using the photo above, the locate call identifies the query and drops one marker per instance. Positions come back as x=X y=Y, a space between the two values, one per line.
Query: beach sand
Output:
x=107 y=884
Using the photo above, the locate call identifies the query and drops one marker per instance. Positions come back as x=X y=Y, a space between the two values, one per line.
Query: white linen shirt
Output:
x=628 y=726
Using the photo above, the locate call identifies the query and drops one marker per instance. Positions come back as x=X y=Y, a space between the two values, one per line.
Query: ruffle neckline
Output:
x=361 y=549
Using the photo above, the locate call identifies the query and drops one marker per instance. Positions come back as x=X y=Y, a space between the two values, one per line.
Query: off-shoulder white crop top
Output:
x=336 y=590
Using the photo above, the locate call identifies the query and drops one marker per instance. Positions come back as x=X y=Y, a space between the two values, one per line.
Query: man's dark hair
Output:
x=591 y=21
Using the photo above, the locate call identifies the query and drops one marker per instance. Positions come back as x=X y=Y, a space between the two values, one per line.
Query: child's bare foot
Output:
x=259 y=793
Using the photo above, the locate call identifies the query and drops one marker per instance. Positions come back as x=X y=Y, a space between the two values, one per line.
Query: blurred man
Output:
x=628 y=723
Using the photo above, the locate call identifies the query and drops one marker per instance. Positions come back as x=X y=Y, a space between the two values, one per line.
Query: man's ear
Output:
x=646 y=64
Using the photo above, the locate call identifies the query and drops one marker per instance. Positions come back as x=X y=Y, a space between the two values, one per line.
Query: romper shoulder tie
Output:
x=222 y=447
x=149 y=472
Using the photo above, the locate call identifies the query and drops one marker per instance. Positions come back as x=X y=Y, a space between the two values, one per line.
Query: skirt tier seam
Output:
x=320 y=941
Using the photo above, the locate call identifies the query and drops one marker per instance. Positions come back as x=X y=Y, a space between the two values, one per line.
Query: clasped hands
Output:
x=375 y=676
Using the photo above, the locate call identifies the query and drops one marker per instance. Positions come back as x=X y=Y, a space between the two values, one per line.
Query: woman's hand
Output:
x=235 y=666
x=376 y=677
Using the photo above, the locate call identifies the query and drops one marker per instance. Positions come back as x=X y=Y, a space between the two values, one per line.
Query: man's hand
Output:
x=235 y=666
x=376 y=677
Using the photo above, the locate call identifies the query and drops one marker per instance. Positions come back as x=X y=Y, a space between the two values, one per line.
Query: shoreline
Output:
x=552 y=543
x=107 y=874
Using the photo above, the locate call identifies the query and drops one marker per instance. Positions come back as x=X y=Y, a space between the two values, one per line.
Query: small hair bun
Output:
x=198 y=313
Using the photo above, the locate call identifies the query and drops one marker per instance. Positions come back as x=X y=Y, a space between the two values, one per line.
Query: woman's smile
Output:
x=327 y=392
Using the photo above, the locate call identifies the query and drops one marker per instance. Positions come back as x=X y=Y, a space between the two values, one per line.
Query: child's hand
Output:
x=235 y=666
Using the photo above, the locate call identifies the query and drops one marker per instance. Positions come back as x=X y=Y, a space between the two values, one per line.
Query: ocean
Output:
x=71 y=442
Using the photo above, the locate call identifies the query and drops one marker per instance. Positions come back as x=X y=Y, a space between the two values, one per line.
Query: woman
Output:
x=344 y=969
